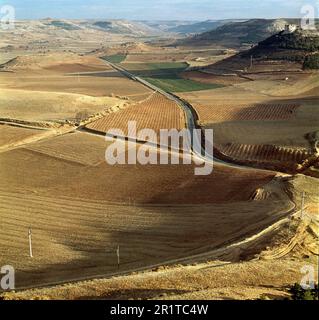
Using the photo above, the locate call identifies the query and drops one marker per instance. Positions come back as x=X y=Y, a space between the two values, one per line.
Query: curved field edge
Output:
x=87 y=247
x=224 y=274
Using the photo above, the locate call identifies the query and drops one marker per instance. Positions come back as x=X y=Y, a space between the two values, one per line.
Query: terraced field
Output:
x=155 y=113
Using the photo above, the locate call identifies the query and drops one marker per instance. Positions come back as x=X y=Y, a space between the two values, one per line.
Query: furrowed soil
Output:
x=80 y=208
x=156 y=113
x=276 y=255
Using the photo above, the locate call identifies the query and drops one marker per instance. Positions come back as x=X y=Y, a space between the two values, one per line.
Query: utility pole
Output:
x=302 y=204
x=251 y=61
x=118 y=257
x=30 y=242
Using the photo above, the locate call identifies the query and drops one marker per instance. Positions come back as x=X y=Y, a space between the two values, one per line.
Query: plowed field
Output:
x=155 y=113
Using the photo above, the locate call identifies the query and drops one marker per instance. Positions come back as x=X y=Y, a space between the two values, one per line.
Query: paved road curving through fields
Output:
x=197 y=149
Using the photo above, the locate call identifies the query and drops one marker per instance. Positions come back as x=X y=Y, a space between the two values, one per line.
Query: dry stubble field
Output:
x=80 y=209
x=40 y=87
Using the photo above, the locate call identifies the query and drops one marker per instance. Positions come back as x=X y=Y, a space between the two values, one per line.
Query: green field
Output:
x=180 y=84
x=156 y=69
x=166 y=76
x=116 y=58
x=167 y=65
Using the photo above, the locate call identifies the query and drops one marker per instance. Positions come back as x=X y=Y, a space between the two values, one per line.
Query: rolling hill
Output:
x=283 y=51
x=199 y=27
x=237 y=34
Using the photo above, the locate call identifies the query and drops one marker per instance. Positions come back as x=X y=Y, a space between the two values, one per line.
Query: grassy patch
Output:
x=166 y=75
x=116 y=58
x=156 y=69
x=181 y=85
x=167 y=65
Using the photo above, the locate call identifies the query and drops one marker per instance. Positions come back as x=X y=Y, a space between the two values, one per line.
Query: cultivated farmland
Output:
x=75 y=238
x=12 y=135
x=217 y=113
x=80 y=209
x=168 y=76
x=117 y=58
x=55 y=178
x=83 y=149
x=156 y=112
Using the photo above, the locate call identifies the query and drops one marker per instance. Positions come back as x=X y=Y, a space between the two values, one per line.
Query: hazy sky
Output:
x=158 y=9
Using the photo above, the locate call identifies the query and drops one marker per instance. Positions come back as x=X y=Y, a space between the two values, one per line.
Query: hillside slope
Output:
x=237 y=34
x=283 y=51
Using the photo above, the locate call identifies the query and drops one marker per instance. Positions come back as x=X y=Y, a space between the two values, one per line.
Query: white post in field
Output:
x=118 y=257
x=30 y=243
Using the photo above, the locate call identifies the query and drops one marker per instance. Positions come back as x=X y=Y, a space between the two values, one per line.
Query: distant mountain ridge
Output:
x=125 y=27
x=236 y=34
x=200 y=27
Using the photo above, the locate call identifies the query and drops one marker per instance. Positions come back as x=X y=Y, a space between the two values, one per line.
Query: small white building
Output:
x=290 y=28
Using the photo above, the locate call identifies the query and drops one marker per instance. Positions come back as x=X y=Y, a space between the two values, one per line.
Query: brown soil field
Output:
x=238 y=64
x=80 y=210
x=10 y=135
x=75 y=238
x=55 y=62
x=263 y=123
x=265 y=153
x=83 y=149
x=155 y=113
x=280 y=133
x=217 y=113
x=225 y=110
x=273 y=86
x=71 y=156
x=230 y=95
x=211 y=78
x=50 y=106
x=42 y=87
x=261 y=266
x=282 y=159
x=95 y=86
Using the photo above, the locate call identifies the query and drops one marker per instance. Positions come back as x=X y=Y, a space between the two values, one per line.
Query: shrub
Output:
x=298 y=293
